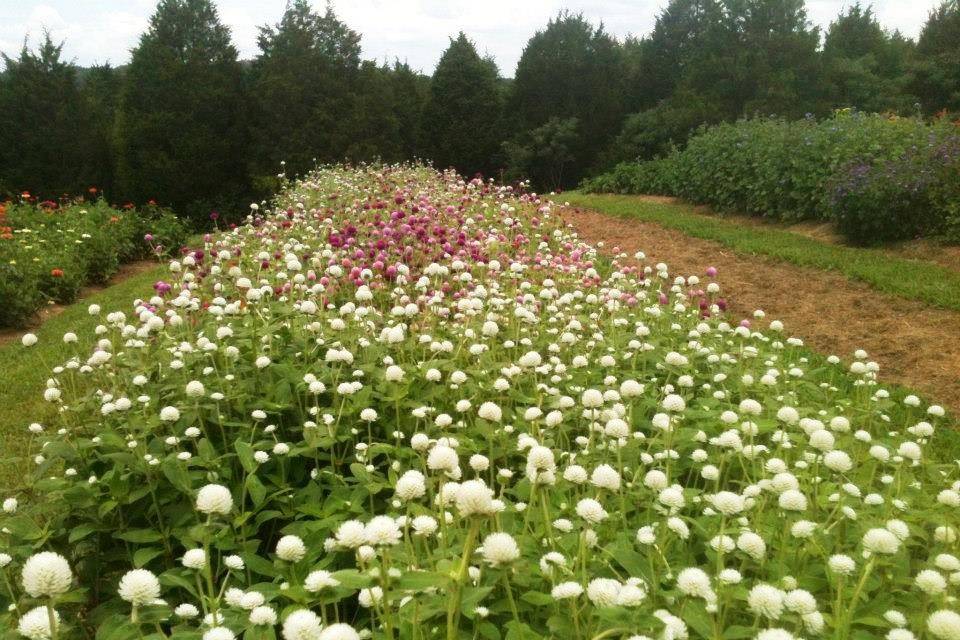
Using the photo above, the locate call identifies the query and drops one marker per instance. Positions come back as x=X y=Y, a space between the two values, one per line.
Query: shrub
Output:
x=50 y=252
x=792 y=170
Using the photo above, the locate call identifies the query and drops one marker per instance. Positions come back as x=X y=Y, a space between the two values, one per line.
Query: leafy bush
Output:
x=50 y=252
x=791 y=170
x=876 y=203
x=422 y=407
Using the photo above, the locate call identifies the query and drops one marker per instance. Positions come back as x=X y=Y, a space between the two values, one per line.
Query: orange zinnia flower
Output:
x=56 y=273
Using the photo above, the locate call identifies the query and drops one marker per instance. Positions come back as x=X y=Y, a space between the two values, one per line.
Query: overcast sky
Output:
x=98 y=31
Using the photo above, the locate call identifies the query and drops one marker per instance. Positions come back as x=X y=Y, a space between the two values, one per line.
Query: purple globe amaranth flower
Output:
x=712 y=272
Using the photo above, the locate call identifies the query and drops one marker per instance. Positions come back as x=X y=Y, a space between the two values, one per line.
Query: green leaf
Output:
x=245 y=454
x=419 y=580
x=520 y=631
x=24 y=528
x=537 y=598
x=257 y=491
x=139 y=536
x=352 y=579
x=259 y=632
x=80 y=532
x=176 y=472
x=143 y=556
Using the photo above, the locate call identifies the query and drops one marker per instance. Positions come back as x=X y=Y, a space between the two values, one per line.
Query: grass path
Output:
x=919 y=280
x=25 y=370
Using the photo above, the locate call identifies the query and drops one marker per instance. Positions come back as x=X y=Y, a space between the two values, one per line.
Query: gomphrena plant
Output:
x=401 y=404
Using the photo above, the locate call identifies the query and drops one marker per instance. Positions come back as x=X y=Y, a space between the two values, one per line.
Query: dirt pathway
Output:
x=915 y=345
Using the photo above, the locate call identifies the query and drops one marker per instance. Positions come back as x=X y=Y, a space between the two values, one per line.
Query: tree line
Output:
x=189 y=125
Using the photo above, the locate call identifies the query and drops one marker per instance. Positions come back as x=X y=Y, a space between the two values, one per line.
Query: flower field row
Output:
x=401 y=404
x=877 y=178
x=48 y=252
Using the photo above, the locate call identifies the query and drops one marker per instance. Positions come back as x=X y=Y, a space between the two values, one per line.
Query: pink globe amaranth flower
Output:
x=712 y=272
x=148 y=237
x=664 y=299
x=745 y=323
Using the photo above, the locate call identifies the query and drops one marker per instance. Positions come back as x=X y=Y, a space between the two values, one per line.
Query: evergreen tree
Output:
x=373 y=123
x=463 y=109
x=544 y=154
x=571 y=70
x=304 y=85
x=770 y=59
x=41 y=123
x=864 y=66
x=937 y=70
x=410 y=90
x=180 y=133
x=100 y=87
x=686 y=34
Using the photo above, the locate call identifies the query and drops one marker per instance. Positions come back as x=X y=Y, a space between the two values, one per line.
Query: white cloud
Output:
x=412 y=30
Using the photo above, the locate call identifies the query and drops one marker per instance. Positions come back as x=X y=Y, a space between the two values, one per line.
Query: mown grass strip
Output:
x=25 y=370
x=911 y=279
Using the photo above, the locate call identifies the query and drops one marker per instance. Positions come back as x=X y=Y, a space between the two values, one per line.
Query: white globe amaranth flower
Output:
x=766 y=600
x=263 y=615
x=499 y=549
x=474 y=497
x=302 y=624
x=566 y=591
x=490 y=411
x=219 y=633
x=881 y=541
x=194 y=559
x=339 y=631
x=139 y=587
x=944 y=624
x=46 y=574
x=291 y=548
x=35 y=624
x=214 y=499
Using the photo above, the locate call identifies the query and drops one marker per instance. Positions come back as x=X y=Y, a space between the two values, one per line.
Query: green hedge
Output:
x=880 y=178
x=49 y=252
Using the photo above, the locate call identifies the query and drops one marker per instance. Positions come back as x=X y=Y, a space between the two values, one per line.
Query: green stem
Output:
x=453 y=607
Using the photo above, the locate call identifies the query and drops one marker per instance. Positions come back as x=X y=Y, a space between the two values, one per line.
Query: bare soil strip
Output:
x=915 y=345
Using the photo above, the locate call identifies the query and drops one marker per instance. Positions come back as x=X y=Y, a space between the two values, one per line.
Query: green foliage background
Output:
x=190 y=126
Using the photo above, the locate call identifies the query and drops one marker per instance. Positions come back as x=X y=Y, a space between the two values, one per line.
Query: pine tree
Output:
x=181 y=134
x=864 y=66
x=303 y=89
x=100 y=88
x=463 y=110
x=937 y=70
x=41 y=123
x=571 y=70
x=770 y=62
